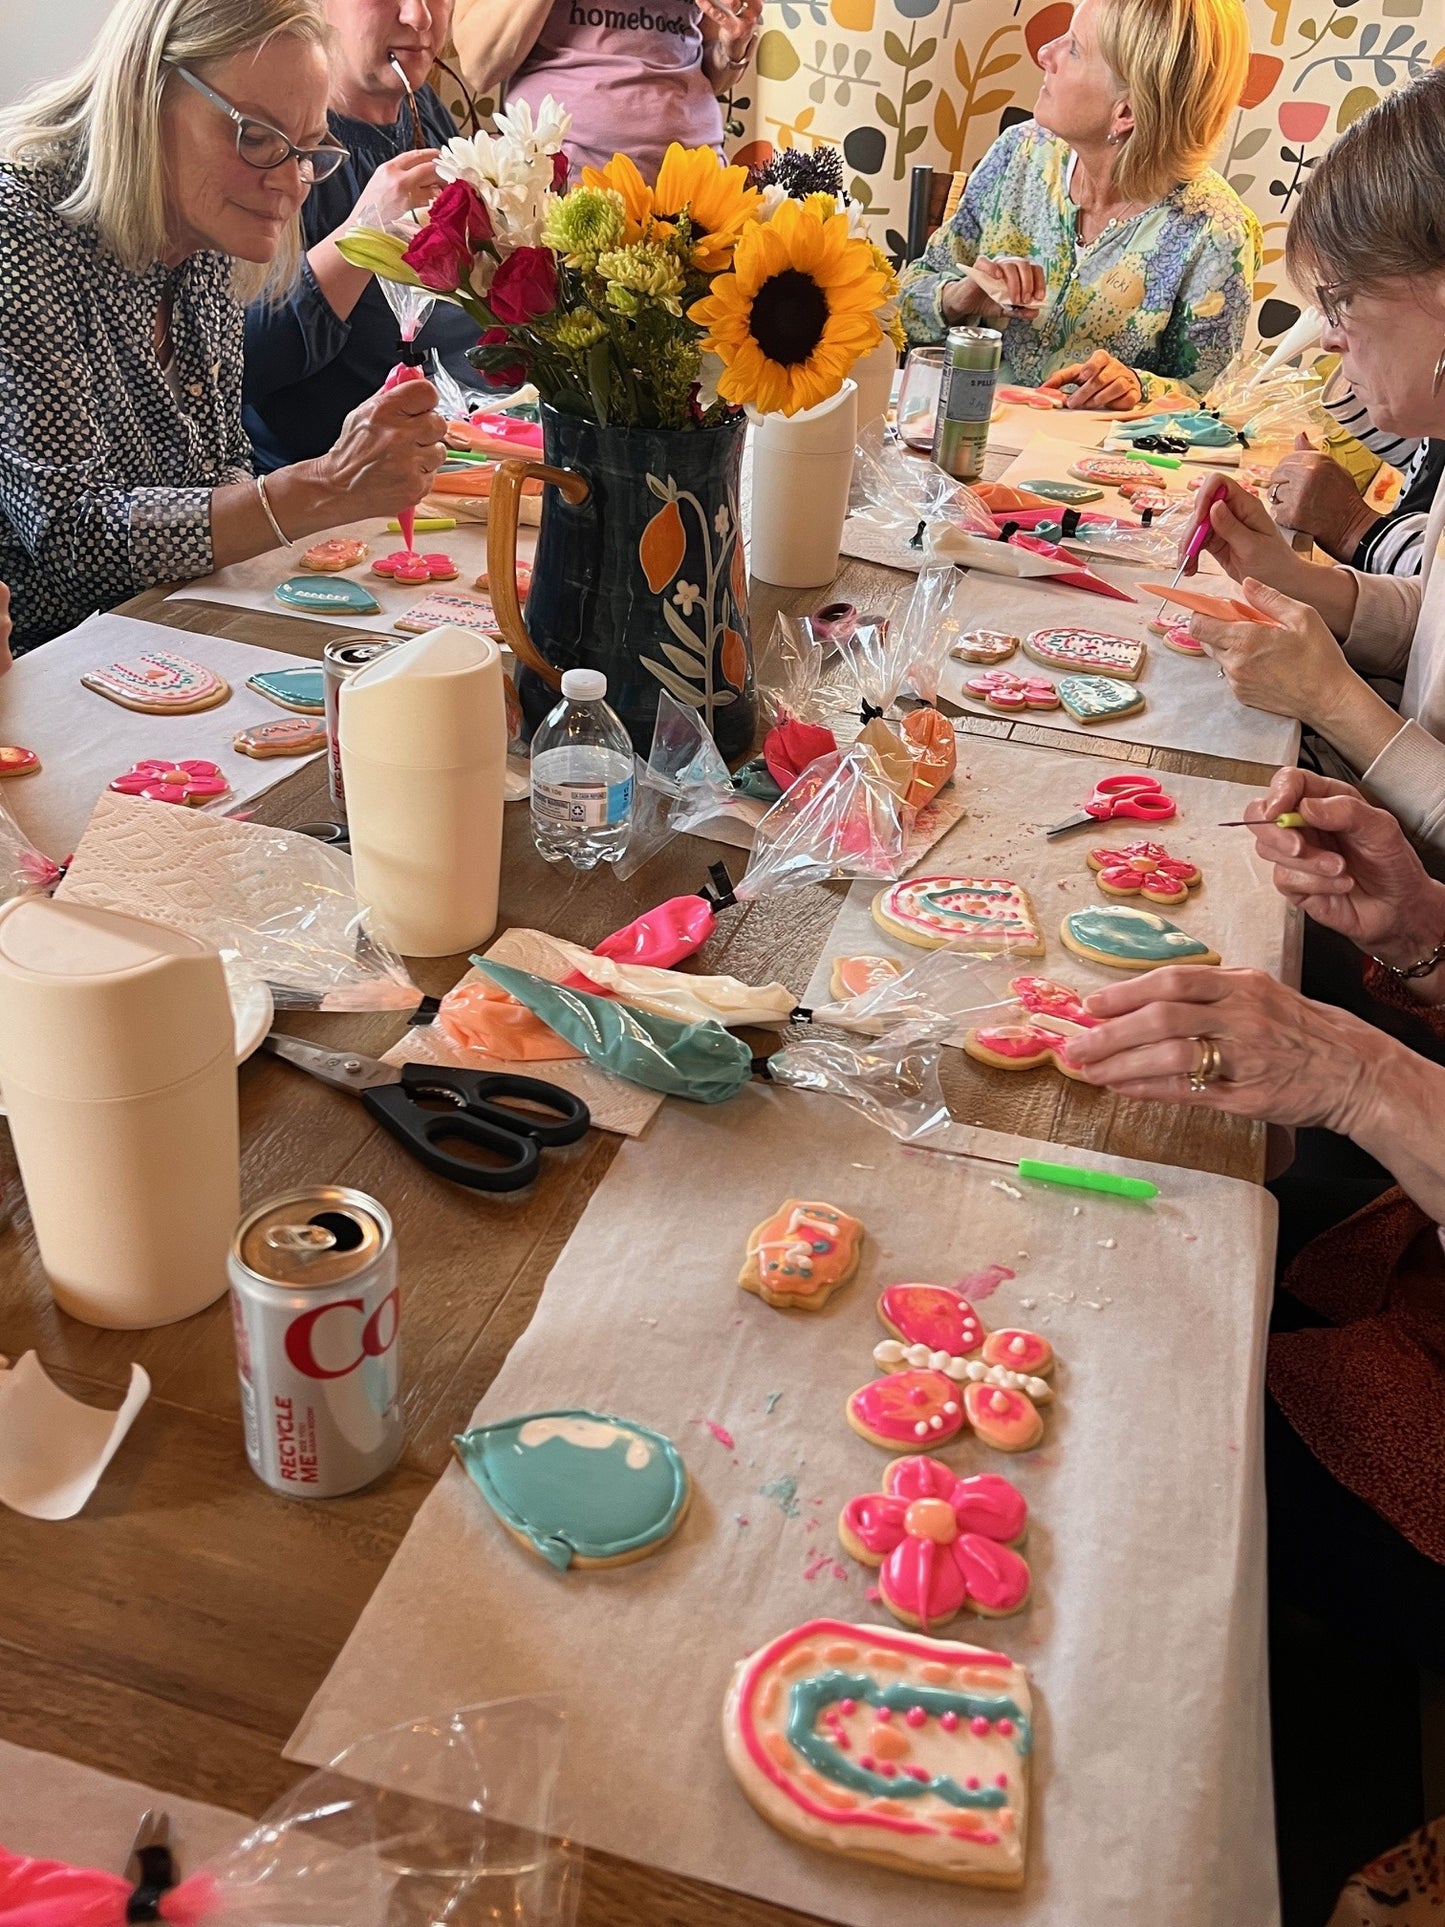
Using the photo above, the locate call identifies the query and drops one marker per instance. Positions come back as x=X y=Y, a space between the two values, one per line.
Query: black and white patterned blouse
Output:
x=107 y=462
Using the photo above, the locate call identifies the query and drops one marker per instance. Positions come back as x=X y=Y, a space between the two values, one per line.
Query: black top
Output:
x=305 y=368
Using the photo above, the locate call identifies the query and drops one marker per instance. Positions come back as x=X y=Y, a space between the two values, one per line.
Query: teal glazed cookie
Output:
x=1124 y=937
x=325 y=595
x=302 y=689
x=578 y=1488
x=1098 y=699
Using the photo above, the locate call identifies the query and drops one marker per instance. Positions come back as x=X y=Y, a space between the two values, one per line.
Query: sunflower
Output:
x=716 y=198
x=799 y=308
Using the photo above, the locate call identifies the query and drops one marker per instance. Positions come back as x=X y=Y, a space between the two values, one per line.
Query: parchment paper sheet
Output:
x=1145 y=1635
x=54 y=1809
x=84 y=740
x=1014 y=793
x=252 y=585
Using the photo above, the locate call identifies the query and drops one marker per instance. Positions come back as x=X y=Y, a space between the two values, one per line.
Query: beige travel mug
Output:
x=118 y=1063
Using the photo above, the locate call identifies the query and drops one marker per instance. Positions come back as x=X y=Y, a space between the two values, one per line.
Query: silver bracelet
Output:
x=276 y=528
x=1421 y=969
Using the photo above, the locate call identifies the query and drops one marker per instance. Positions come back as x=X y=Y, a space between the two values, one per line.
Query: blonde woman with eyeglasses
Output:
x=1368 y=237
x=1116 y=263
x=141 y=199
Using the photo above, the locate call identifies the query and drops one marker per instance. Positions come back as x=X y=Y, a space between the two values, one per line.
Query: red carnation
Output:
x=524 y=286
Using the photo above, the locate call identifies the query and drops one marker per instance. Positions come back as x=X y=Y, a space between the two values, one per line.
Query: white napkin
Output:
x=53 y=1449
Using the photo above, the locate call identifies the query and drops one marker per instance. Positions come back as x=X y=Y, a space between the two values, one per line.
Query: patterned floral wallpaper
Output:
x=899 y=83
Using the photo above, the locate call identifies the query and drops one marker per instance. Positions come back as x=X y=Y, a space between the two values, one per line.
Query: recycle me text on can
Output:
x=317 y=1308
x=965 y=401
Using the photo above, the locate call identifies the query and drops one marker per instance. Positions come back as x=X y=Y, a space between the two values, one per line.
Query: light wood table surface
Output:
x=175 y=1631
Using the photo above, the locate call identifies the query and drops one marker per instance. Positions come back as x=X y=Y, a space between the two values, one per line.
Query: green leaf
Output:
x=922 y=54
x=680 y=659
x=1241 y=183
x=895 y=49
x=914 y=139
x=919 y=90
x=1307 y=29
x=886 y=111
x=1246 y=149
x=684 y=635
x=599 y=377
x=684 y=691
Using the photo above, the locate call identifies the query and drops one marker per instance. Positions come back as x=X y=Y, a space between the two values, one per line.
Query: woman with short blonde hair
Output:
x=134 y=194
x=1117 y=264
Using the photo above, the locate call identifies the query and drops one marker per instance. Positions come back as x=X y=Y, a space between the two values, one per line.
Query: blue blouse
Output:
x=306 y=368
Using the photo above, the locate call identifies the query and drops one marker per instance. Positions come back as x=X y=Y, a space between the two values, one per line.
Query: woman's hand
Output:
x=398 y=187
x=1351 y=868
x=5 y=657
x=1281 y=1057
x=1241 y=535
x=1103 y=381
x=386 y=454
x=1293 y=667
x=996 y=285
x=735 y=23
x=1309 y=491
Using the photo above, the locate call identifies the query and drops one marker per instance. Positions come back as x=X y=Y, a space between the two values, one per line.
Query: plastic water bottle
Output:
x=582 y=776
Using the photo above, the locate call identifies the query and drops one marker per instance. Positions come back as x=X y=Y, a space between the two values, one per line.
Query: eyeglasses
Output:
x=264 y=147
x=1331 y=303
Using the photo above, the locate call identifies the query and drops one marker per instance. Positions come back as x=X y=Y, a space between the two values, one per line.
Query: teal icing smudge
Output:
x=771 y=1402
x=784 y=1495
x=810 y=1696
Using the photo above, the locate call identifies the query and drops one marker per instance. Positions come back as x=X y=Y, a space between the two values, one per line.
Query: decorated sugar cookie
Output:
x=299 y=689
x=1106 y=471
x=1071 y=494
x=414 y=570
x=1176 y=637
x=524 y=581
x=1040 y=1037
x=973 y=913
x=887 y=1746
x=159 y=683
x=15 y=761
x=287 y=736
x=1098 y=699
x=1124 y=937
x=856 y=976
x=1087 y=651
x=799 y=1256
x=448 y=606
x=579 y=1488
x=942 y=1543
x=330 y=557
x=159 y=781
x=1002 y=689
x=946 y=1372
x=1145 y=870
x=326 y=595
x=985 y=646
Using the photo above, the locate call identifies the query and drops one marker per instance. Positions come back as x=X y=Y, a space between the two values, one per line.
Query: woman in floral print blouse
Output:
x=1116 y=262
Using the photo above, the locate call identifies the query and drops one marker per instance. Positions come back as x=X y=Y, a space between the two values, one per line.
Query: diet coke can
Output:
x=340 y=662
x=317 y=1307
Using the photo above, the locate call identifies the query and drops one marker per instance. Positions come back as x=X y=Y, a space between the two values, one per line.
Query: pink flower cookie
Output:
x=1042 y=1037
x=799 y=1256
x=1003 y=689
x=887 y=1746
x=1178 y=638
x=1145 y=870
x=189 y=784
x=942 y=1542
x=945 y=1372
x=414 y=570
x=857 y=976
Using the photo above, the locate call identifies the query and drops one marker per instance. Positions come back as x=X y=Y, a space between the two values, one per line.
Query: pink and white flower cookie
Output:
x=887 y=1746
x=414 y=570
x=945 y=1372
x=1041 y=1036
x=941 y=1542
x=1145 y=870
x=159 y=781
x=1003 y=689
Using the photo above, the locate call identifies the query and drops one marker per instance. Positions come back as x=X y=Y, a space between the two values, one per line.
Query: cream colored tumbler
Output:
x=118 y=1063
x=423 y=736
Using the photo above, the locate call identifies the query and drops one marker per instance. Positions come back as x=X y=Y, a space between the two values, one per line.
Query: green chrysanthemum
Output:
x=584 y=224
x=577 y=331
x=644 y=269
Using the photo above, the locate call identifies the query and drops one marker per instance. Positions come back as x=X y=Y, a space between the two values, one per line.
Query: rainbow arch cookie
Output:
x=968 y=913
x=887 y=1746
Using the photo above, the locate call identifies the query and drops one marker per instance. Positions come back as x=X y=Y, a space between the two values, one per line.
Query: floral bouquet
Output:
x=656 y=306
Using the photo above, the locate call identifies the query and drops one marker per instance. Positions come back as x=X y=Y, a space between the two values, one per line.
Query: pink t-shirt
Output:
x=630 y=74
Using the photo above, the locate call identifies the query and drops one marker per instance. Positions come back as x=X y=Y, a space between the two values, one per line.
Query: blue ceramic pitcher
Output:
x=640 y=572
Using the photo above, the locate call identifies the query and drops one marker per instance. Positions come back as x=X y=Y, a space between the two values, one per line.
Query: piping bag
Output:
x=411 y=306
x=703 y=1061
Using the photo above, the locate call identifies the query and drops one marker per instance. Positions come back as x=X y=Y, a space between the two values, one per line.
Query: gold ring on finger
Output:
x=1210 y=1065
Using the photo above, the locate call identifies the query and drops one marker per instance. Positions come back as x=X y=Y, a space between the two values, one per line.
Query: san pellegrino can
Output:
x=317 y=1309
x=965 y=401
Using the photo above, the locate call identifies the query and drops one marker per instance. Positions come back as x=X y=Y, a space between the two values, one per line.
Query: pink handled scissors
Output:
x=1141 y=797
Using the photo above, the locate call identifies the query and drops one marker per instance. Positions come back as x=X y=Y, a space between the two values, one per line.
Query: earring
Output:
x=1439 y=373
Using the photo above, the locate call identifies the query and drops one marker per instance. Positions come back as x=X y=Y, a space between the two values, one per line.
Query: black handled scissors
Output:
x=540 y=1117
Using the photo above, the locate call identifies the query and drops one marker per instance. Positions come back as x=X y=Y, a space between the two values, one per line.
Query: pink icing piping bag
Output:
x=405 y=370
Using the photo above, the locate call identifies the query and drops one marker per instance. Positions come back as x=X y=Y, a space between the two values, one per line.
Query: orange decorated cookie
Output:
x=331 y=557
x=800 y=1256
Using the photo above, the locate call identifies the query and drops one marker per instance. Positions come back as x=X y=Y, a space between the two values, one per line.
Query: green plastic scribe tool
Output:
x=1154 y=461
x=1072 y=1177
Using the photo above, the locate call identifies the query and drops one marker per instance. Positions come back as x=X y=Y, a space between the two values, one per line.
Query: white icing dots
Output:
x=588 y=1434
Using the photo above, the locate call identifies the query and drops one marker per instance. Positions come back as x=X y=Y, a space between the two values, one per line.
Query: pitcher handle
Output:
x=502 y=514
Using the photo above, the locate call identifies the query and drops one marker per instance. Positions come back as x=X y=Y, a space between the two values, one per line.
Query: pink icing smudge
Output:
x=983 y=1284
x=721 y=1434
x=818 y=1563
x=873 y=1595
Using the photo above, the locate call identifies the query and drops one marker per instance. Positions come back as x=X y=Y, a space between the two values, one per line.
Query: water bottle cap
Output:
x=584 y=685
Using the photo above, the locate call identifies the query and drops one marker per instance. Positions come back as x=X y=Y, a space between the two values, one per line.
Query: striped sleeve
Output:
x=1349 y=411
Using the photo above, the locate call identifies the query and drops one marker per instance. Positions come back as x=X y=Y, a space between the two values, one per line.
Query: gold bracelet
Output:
x=276 y=528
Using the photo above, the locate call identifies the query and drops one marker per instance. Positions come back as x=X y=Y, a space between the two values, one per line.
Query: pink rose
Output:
x=524 y=286
x=560 y=169
x=438 y=259
x=461 y=212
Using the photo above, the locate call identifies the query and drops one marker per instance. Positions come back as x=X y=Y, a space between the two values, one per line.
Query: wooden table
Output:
x=175 y=1631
